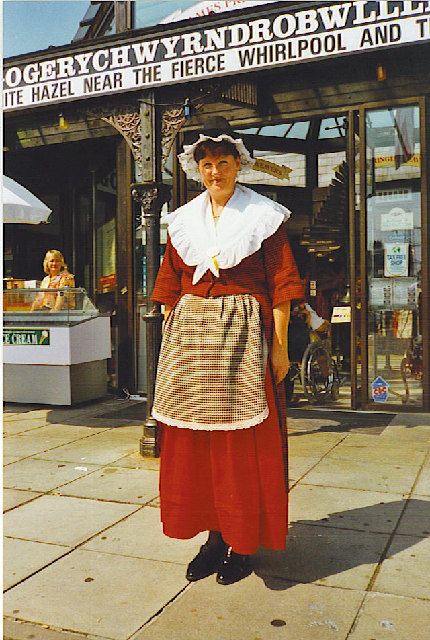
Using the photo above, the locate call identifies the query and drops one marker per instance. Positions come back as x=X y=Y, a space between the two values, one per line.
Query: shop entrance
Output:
x=304 y=166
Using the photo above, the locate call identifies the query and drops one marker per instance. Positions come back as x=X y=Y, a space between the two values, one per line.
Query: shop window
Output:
x=329 y=164
x=393 y=173
x=332 y=128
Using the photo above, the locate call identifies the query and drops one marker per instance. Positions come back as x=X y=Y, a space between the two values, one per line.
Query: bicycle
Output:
x=318 y=374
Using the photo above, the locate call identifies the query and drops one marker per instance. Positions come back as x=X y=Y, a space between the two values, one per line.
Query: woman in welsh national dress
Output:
x=226 y=280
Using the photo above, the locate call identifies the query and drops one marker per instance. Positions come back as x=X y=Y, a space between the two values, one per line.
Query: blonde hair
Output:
x=53 y=253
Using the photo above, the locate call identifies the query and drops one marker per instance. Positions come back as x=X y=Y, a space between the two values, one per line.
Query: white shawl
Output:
x=246 y=221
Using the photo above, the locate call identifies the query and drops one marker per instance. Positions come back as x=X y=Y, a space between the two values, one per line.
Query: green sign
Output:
x=26 y=337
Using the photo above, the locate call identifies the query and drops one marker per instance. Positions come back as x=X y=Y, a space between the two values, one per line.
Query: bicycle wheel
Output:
x=317 y=373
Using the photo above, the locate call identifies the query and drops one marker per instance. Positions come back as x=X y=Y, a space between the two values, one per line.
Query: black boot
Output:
x=208 y=559
x=234 y=567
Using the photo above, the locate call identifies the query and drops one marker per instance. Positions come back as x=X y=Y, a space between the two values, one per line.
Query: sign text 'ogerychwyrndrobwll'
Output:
x=276 y=38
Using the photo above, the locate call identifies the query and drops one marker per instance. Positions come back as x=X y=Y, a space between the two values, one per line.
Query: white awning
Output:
x=20 y=205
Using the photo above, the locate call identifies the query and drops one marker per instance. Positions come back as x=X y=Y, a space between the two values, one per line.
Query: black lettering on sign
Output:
x=13 y=98
x=424 y=27
x=95 y=84
x=384 y=34
x=51 y=91
x=147 y=75
x=198 y=66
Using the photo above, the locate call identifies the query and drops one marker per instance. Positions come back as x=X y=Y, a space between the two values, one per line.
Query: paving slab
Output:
x=406 y=570
x=130 y=430
x=312 y=445
x=44 y=438
x=98 y=449
x=423 y=485
x=12 y=459
x=310 y=424
x=141 y=536
x=22 y=558
x=96 y=423
x=26 y=414
x=43 y=475
x=357 y=474
x=384 y=440
x=411 y=420
x=136 y=461
x=14 y=427
x=385 y=616
x=345 y=508
x=405 y=433
x=14 y=497
x=387 y=453
x=416 y=518
x=248 y=610
x=298 y=466
x=20 y=630
x=137 y=486
x=61 y=520
x=108 y=599
x=335 y=557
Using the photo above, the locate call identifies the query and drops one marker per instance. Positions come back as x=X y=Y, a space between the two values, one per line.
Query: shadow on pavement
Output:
x=339 y=421
x=317 y=549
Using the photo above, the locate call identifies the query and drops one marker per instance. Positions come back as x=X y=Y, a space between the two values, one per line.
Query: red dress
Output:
x=231 y=481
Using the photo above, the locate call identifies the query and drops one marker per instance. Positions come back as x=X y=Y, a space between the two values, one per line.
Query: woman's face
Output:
x=54 y=265
x=219 y=174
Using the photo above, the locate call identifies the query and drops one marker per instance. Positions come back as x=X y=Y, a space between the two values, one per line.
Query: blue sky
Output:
x=30 y=26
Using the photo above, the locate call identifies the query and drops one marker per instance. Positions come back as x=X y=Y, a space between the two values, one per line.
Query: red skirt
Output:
x=228 y=481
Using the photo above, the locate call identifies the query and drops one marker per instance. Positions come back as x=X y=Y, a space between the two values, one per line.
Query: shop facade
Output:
x=333 y=100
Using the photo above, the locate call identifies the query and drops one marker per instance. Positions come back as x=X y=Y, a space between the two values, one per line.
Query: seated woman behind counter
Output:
x=57 y=278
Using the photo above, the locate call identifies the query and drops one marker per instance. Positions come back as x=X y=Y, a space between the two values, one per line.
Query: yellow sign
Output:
x=389 y=161
x=280 y=171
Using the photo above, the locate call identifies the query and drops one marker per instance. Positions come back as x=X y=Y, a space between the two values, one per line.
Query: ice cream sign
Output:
x=396 y=261
x=26 y=337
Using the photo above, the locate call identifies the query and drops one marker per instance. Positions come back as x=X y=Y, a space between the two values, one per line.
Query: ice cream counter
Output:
x=57 y=355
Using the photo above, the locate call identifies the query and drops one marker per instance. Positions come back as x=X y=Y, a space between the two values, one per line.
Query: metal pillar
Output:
x=151 y=195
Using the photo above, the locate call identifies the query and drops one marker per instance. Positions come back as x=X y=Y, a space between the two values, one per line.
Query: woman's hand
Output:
x=279 y=355
x=280 y=361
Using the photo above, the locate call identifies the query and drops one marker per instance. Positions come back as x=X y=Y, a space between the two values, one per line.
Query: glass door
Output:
x=393 y=257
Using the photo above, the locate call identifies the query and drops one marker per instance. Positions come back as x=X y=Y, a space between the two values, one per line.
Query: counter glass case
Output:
x=66 y=305
x=56 y=345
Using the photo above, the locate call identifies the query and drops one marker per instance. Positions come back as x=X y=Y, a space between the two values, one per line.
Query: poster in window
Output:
x=396 y=261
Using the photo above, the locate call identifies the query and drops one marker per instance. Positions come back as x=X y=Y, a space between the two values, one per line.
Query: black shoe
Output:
x=234 y=567
x=206 y=562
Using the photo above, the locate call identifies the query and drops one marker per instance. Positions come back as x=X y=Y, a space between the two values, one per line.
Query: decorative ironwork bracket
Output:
x=151 y=197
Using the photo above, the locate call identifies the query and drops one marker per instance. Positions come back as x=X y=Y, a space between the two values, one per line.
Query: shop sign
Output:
x=380 y=389
x=241 y=44
x=26 y=337
x=390 y=161
x=396 y=259
x=341 y=315
x=397 y=219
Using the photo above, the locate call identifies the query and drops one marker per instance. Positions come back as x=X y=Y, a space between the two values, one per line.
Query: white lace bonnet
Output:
x=216 y=129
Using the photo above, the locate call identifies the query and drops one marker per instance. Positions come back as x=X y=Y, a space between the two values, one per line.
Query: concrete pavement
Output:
x=85 y=556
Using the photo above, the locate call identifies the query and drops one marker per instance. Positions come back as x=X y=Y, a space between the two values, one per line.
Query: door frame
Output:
x=360 y=395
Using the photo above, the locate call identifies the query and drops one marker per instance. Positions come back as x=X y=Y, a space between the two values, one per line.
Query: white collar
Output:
x=246 y=221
